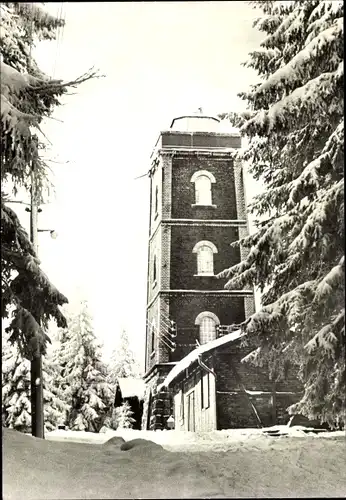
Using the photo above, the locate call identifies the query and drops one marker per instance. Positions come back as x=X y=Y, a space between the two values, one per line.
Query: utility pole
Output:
x=37 y=417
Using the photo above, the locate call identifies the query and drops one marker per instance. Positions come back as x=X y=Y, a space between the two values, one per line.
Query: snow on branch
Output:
x=326 y=339
x=295 y=70
x=311 y=175
x=291 y=305
x=269 y=235
x=56 y=85
x=28 y=334
x=34 y=13
x=332 y=280
x=252 y=356
x=312 y=230
x=305 y=99
x=267 y=23
x=12 y=81
x=319 y=21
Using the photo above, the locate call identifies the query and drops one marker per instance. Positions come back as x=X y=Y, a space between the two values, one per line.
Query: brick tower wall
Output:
x=175 y=227
x=223 y=190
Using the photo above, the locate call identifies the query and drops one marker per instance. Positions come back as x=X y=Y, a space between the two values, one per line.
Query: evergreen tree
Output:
x=16 y=406
x=27 y=96
x=122 y=361
x=55 y=404
x=123 y=418
x=83 y=375
x=16 y=391
x=295 y=126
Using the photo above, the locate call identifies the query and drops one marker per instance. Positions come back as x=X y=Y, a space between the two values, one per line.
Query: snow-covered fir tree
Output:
x=83 y=376
x=55 y=405
x=29 y=299
x=123 y=417
x=16 y=390
x=295 y=127
x=16 y=405
x=122 y=362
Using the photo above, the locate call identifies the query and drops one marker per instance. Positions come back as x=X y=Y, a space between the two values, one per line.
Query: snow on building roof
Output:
x=193 y=355
x=131 y=386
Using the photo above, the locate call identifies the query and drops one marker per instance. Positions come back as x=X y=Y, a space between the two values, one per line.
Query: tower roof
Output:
x=195 y=123
x=198 y=131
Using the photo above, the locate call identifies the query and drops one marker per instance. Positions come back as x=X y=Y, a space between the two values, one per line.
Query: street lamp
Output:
x=53 y=233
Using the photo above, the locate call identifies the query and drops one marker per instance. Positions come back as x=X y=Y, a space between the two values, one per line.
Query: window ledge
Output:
x=203 y=206
x=208 y=275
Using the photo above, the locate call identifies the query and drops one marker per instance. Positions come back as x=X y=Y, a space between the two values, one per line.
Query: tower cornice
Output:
x=213 y=152
x=209 y=293
x=197 y=223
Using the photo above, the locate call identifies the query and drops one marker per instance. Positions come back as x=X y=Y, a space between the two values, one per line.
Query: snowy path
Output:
x=214 y=465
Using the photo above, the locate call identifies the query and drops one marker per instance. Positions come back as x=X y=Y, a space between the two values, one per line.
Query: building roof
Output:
x=131 y=387
x=192 y=357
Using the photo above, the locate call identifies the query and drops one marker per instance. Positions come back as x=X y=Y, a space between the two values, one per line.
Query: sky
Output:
x=160 y=60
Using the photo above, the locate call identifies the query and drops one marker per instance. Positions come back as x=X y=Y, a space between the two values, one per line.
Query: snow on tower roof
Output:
x=195 y=122
x=131 y=386
x=193 y=355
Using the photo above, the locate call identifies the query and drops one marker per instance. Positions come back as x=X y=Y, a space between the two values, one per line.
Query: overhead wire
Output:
x=169 y=327
x=166 y=317
x=163 y=336
x=167 y=330
x=160 y=335
x=170 y=324
x=61 y=16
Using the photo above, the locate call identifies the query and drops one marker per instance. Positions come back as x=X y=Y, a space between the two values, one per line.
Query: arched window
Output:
x=203 y=181
x=205 y=257
x=207 y=322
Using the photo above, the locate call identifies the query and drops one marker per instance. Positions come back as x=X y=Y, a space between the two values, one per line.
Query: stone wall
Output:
x=158 y=405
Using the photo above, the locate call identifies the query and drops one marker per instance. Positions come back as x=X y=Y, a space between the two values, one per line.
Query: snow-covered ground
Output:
x=233 y=463
x=197 y=441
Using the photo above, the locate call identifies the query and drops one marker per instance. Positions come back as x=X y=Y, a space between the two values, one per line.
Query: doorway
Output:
x=191 y=411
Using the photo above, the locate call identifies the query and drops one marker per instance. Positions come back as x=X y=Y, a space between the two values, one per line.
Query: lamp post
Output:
x=36 y=378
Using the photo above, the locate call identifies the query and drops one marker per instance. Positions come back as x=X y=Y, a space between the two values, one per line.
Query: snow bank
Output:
x=196 y=441
x=226 y=466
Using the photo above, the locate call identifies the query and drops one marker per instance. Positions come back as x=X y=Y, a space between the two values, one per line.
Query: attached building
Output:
x=213 y=389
